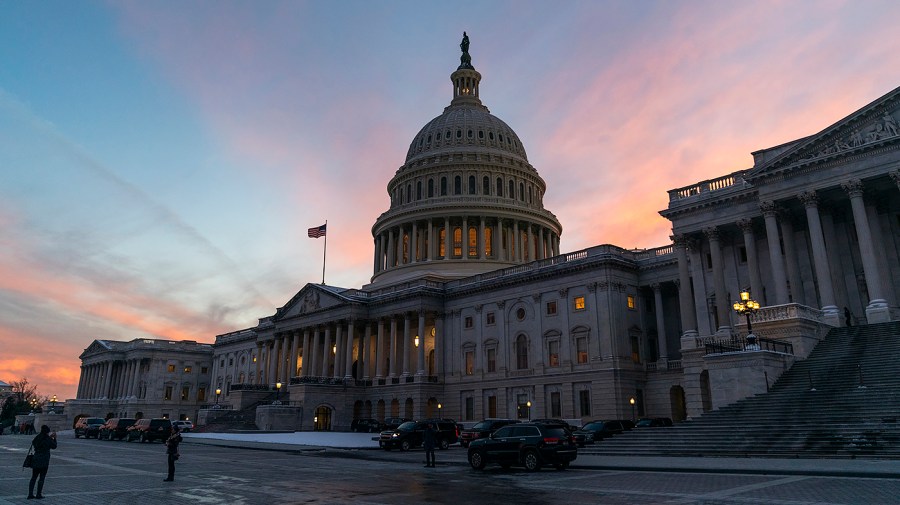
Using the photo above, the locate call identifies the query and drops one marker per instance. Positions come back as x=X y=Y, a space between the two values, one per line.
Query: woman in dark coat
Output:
x=43 y=443
x=172 y=452
x=428 y=442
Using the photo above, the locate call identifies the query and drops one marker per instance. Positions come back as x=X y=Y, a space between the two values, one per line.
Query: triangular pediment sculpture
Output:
x=308 y=300
x=875 y=125
x=97 y=346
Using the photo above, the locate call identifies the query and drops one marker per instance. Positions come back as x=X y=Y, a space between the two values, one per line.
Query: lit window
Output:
x=168 y=393
x=554 y=352
x=581 y=350
x=187 y=369
x=457 y=241
x=551 y=308
x=185 y=391
x=470 y=362
x=473 y=242
x=488 y=240
x=443 y=243
x=254 y=359
x=489 y=318
x=630 y=301
x=469 y=322
x=171 y=368
x=201 y=394
x=579 y=303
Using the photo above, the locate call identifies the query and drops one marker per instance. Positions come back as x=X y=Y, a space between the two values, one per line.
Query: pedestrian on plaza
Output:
x=42 y=443
x=848 y=317
x=428 y=439
x=172 y=452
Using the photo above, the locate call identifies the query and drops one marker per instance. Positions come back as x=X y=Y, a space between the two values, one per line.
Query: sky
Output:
x=160 y=162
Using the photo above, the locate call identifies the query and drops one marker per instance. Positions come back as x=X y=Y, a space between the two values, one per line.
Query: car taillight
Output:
x=551 y=440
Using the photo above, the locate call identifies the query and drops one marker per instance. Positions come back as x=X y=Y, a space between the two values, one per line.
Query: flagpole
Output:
x=324 y=249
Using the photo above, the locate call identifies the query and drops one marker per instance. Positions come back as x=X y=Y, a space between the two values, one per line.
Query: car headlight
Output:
x=395 y=435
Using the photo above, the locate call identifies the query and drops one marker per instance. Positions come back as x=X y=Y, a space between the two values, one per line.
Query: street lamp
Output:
x=439 y=410
x=53 y=405
x=747 y=307
x=218 y=392
x=33 y=403
x=631 y=401
x=277 y=390
x=416 y=341
x=528 y=408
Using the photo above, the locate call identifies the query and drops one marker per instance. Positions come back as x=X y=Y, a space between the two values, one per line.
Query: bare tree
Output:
x=23 y=389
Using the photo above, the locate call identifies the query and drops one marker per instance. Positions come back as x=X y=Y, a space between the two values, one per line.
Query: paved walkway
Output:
x=344 y=442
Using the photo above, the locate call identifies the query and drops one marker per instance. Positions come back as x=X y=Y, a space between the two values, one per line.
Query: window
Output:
x=520 y=313
x=430 y=188
x=230 y=361
x=471 y=184
x=469 y=322
x=555 y=407
x=204 y=369
x=512 y=189
x=187 y=369
x=470 y=362
x=457 y=185
x=488 y=240
x=168 y=393
x=584 y=401
x=171 y=368
x=442 y=243
x=489 y=319
x=486 y=185
x=222 y=362
x=405 y=248
x=459 y=134
x=457 y=241
x=630 y=301
x=492 y=406
x=499 y=186
x=201 y=394
x=473 y=242
x=408 y=193
x=470 y=134
x=419 y=190
x=481 y=134
x=579 y=303
x=443 y=186
x=522 y=191
x=553 y=351
x=470 y=408
x=635 y=350
x=185 y=392
x=492 y=360
x=522 y=352
x=254 y=359
x=551 y=308
x=581 y=350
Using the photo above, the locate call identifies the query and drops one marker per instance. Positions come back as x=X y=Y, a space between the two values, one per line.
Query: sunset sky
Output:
x=160 y=162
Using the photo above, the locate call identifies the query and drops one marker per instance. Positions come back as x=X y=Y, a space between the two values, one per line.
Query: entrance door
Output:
x=322 y=421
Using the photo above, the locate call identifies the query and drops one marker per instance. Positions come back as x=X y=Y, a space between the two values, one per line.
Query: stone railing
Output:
x=786 y=312
x=728 y=181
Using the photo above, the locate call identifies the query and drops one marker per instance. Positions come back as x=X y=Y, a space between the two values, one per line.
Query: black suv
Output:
x=653 y=422
x=88 y=427
x=148 y=430
x=531 y=445
x=392 y=423
x=598 y=430
x=411 y=433
x=115 y=429
x=482 y=429
x=365 y=426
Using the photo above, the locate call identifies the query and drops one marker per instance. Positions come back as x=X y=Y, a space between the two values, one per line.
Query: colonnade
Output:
x=110 y=379
x=784 y=274
x=383 y=349
x=465 y=238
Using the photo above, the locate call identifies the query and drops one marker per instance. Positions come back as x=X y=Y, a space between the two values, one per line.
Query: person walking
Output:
x=42 y=443
x=172 y=452
x=428 y=439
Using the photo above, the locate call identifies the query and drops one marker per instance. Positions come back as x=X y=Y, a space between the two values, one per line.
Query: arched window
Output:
x=488 y=241
x=430 y=188
x=401 y=196
x=473 y=242
x=522 y=191
x=442 y=243
x=419 y=190
x=471 y=184
x=408 y=193
x=521 y=352
x=499 y=186
x=525 y=247
x=486 y=185
x=512 y=189
x=529 y=194
x=457 y=185
x=457 y=241
x=443 y=186
x=406 y=248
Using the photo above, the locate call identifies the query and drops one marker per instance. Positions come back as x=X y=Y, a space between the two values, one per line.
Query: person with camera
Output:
x=172 y=452
x=42 y=444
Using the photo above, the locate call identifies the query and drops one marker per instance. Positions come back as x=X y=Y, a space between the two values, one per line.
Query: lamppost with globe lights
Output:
x=53 y=405
x=218 y=392
x=33 y=404
x=277 y=390
x=632 y=401
x=746 y=307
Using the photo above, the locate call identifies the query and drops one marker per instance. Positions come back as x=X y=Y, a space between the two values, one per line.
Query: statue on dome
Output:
x=465 y=61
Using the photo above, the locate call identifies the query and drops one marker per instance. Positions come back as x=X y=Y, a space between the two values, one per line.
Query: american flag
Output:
x=316 y=231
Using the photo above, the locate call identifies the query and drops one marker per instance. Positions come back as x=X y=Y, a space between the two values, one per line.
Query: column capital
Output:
x=853 y=187
x=592 y=287
x=712 y=233
x=895 y=176
x=501 y=304
x=746 y=225
x=656 y=287
x=768 y=208
x=564 y=292
x=810 y=199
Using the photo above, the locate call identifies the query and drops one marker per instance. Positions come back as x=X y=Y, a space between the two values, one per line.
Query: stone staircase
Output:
x=842 y=401
x=235 y=420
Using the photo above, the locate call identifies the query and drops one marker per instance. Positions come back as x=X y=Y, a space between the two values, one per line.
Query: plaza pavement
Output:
x=330 y=441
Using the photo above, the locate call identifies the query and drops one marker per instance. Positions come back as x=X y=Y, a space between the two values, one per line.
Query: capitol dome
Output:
x=466 y=200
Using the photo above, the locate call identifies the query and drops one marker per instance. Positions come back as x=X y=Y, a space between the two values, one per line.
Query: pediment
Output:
x=875 y=125
x=308 y=300
x=96 y=347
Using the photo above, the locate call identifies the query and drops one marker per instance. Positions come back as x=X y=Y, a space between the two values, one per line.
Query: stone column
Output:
x=274 y=369
x=465 y=238
x=480 y=245
x=723 y=305
x=448 y=238
x=406 y=339
x=392 y=352
x=420 y=366
x=498 y=236
x=348 y=354
x=365 y=351
x=78 y=392
x=439 y=345
x=685 y=297
x=517 y=247
x=391 y=250
x=532 y=244
x=311 y=356
x=770 y=213
x=429 y=251
x=379 y=351
x=660 y=322
x=339 y=350
x=540 y=244
x=877 y=310
x=414 y=243
x=746 y=226
x=292 y=358
x=790 y=259
x=326 y=351
x=375 y=264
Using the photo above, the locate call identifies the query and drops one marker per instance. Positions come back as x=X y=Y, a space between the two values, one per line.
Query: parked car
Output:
x=559 y=422
x=367 y=425
x=653 y=422
x=88 y=427
x=598 y=430
x=392 y=423
x=116 y=428
x=148 y=430
x=183 y=426
x=411 y=434
x=482 y=429
x=531 y=445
